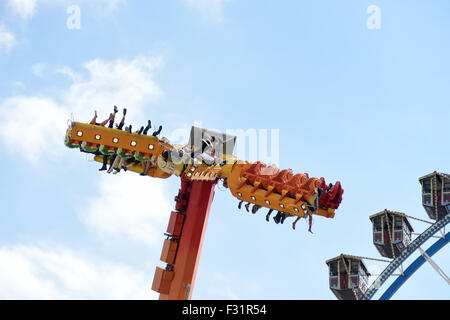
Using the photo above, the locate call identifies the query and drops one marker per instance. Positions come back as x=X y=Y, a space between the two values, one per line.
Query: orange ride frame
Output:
x=193 y=203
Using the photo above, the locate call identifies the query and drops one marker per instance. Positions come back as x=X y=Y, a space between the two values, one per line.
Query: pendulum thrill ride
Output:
x=206 y=159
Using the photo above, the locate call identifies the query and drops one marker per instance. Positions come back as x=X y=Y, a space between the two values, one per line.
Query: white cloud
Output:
x=7 y=40
x=34 y=126
x=68 y=72
x=24 y=8
x=31 y=272
x=128 y=206
x=18 y=84
x=39 y=69
x=120 y=82
x=210 y=8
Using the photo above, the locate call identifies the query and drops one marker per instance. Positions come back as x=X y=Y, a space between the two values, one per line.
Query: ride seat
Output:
x=333 y=197
x=267 y=174
x=294 y=183
x=309 y=188
x=280 y=180
x=253 y=172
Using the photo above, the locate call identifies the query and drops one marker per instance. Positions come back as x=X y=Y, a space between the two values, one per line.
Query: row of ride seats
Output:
x=286 y=183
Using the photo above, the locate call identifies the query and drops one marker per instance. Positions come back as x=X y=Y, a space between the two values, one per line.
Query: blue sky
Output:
x=365 y=107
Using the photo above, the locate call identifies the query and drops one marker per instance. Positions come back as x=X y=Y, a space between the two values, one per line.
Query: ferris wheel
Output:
x=393 y=237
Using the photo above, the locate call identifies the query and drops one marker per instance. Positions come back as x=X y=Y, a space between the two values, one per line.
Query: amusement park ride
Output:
x=200 y=164
x=207 y=159
x=392 y=236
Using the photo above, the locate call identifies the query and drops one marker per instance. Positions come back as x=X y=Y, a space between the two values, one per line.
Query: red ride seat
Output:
x=279 y=181
x=309 y=188
x=336 y=200
x=267 y=174
x=294 y=183
x=253 y=172
x=333 y=197
x=323 y=186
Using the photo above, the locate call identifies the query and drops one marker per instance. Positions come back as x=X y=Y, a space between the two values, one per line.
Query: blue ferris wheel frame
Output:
x=413 y=267
x=413 y=246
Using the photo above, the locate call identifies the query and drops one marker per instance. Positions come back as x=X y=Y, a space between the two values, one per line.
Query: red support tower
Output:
x=185 y=234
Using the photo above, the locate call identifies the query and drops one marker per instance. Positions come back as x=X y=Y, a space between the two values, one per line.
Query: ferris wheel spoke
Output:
x=435 y=266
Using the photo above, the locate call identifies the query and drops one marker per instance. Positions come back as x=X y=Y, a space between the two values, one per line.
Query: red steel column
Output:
x=190 y=243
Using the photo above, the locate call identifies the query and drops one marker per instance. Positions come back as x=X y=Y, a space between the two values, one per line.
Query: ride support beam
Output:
x=177 y=281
